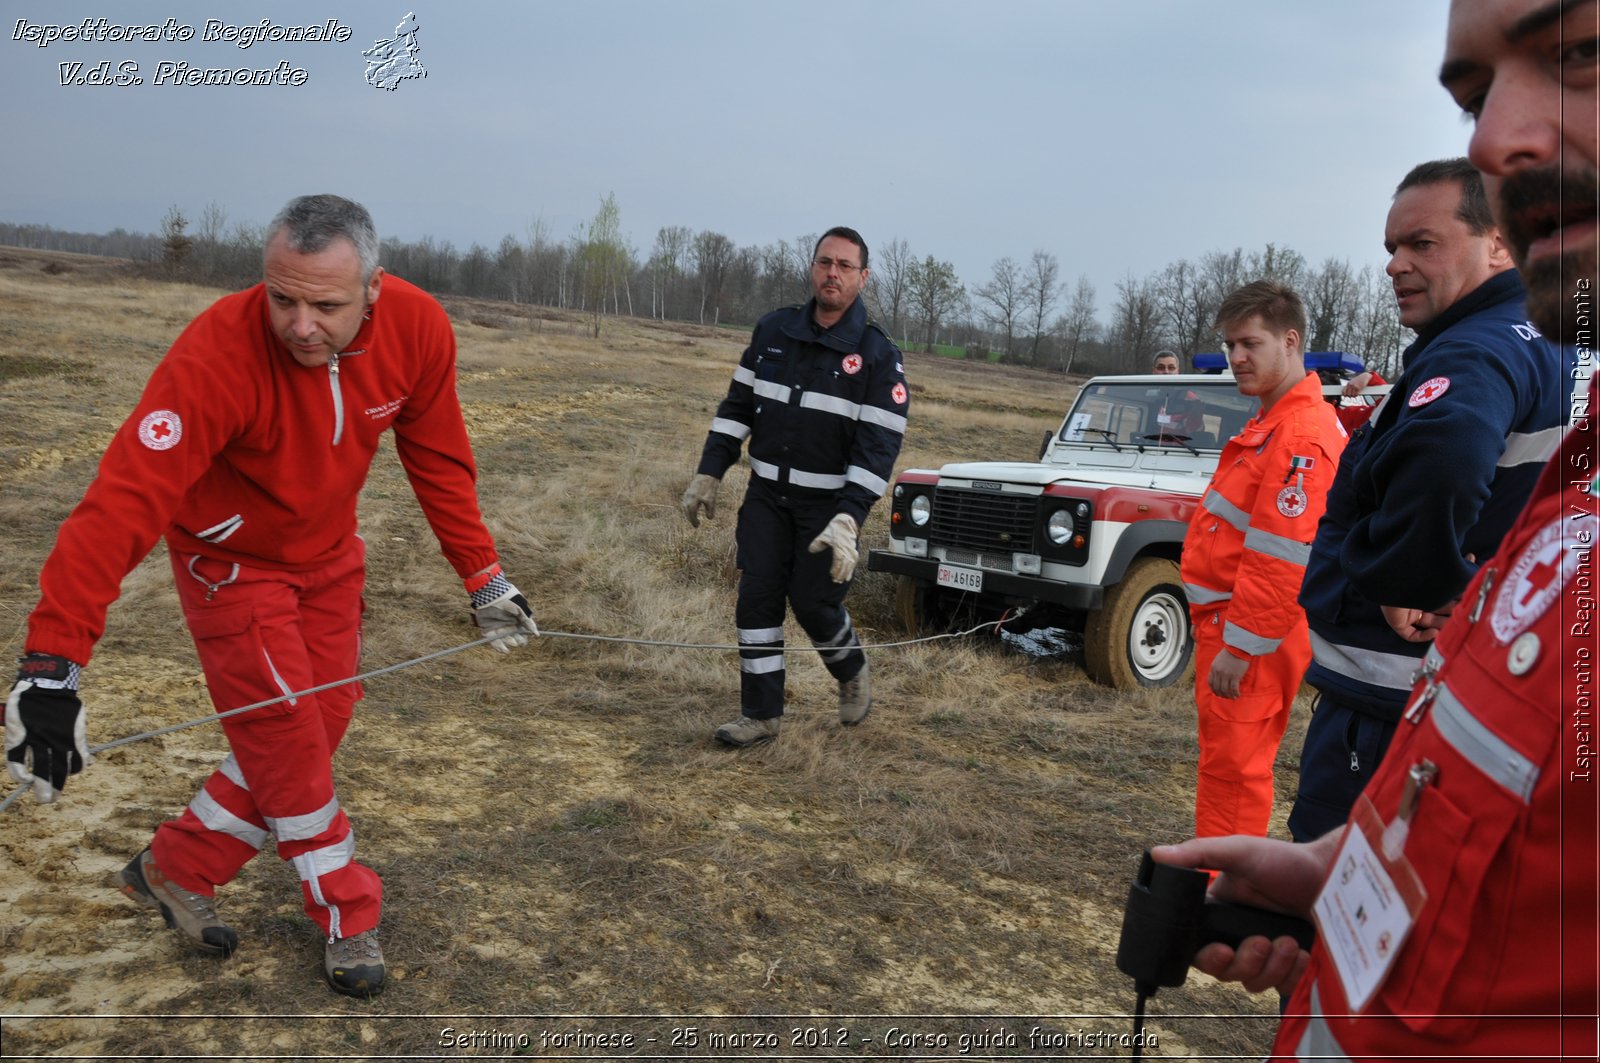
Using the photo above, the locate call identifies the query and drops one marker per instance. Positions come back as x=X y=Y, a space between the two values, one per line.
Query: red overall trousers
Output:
x=262 y=633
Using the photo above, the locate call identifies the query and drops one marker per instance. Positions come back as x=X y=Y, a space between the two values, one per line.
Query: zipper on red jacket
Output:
x=338 y=399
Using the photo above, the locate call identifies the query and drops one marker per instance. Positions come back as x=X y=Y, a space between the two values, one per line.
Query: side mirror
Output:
x=1044 y=445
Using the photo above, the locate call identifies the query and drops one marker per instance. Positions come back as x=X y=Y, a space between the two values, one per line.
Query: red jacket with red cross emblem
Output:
x=1247 y=544
x=238 y=452
x=1503 y=956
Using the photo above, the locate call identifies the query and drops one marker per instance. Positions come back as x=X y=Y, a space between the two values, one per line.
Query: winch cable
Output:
x=219 y=716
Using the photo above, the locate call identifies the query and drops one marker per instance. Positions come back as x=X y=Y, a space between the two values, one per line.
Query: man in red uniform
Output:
x=247 y=451
x=1353 y=417
x=1245 y=553
x=1484 y=814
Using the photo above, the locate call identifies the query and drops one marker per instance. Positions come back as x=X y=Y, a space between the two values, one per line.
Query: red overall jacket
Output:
x=238 y=452
x=1502 y=959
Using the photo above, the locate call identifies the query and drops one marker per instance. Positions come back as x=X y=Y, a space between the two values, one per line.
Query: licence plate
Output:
x=962 y=579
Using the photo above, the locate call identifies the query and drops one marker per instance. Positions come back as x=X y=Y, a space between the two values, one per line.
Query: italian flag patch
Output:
x=1300 y=464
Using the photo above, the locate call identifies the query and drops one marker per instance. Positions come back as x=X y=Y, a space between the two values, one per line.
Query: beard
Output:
x=1561 y=287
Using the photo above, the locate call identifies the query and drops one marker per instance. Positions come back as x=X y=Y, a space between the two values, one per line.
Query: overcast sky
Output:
x=1119 y=136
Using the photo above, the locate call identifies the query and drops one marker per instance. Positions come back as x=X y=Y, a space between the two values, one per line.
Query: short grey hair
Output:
x=311 y=223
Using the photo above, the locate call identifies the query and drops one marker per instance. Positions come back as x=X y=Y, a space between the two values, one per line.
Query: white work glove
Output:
x=702 y=491
x=502 y=613
x=45 y=733
x=840 y=537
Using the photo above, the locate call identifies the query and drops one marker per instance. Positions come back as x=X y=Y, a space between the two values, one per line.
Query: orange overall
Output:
x=1243 y=559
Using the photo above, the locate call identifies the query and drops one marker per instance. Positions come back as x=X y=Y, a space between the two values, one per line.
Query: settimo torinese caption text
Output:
x=174 y=71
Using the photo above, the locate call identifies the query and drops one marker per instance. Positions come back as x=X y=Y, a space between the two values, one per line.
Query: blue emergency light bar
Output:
x=1216 y=362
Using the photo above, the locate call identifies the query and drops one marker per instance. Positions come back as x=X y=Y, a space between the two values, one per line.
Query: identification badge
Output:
x=1371 y=899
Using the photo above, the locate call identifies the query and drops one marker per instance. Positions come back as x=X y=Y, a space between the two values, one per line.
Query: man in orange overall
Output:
x=1245 y=554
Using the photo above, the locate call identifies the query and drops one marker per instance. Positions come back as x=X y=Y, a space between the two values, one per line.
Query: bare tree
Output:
x=713 y=253
x=510 y=262
x=1379 y=337
x=1332 y=304
x=1222 y=272
x=933 y=290
x=804 y=247
x=545 y=265
x=1134 y=323
x=887 y=284
x=1078 y=326
x=1272 y=263
x=1187 y=305
x=1043 y=285
x=1003 y=298
x=666 y=264
x=780 y=278
x=477 y=269
x=210 y=242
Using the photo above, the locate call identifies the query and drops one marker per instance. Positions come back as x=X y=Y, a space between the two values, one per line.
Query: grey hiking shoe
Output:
x=855 y=697
x=355 y=964
x=191 y=914
x=747 y=731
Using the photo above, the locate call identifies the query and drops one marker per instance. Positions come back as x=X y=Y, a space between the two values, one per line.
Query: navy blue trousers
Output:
x=776 y=573
x=1342 y=749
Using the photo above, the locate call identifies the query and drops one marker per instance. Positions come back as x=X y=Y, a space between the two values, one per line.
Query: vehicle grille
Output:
x=985 y=521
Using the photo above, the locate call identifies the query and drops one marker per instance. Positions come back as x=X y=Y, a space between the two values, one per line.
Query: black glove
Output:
x=45 y=725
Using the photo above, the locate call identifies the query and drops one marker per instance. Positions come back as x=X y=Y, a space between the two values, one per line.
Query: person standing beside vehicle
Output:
x=1245 y=552
x=247 y=451
x=820 y=393
x=1432 y=480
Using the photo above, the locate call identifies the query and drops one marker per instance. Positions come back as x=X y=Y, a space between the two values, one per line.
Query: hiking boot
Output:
x=747 y=731
x=355 y=964
x=855 y=697
x=191 y=914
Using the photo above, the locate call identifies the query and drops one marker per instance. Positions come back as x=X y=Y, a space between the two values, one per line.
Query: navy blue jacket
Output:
x=1439 y=471
x=824 y=410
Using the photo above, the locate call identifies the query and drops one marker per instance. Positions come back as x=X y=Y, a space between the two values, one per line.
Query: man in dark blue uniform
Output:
x=821 y=396
x=1428 y=486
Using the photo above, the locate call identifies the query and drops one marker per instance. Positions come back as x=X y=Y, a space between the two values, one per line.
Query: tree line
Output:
x=1025 y=312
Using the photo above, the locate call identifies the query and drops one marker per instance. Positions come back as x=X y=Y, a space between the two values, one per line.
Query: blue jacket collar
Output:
x=1502 y=287
x=845 y=335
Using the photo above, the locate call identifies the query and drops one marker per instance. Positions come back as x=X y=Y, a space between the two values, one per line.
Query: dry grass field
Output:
x=569 y=859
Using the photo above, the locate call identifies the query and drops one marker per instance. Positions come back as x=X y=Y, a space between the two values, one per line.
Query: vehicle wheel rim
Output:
x=1157 y=637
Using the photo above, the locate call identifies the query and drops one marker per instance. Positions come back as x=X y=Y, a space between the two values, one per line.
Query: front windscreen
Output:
x=1180 y=415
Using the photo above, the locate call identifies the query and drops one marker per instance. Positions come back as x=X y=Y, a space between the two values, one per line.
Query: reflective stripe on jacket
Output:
x=824 y=410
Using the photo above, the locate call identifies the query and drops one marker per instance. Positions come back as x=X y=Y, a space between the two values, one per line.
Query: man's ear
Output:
x=1499 y=253
x=374 y=286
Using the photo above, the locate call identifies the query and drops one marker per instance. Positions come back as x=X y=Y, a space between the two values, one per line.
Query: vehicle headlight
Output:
x=921 y=510
x=1058 y=527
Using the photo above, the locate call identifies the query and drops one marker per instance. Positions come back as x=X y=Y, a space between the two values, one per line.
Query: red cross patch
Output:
x=1538 y=574
x=1428 y=390
x=898 y=394
x=1292 y=501
x=852 y=364
x=161 y=430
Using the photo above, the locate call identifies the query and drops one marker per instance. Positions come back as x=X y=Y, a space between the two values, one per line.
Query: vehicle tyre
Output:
x=1141 y=637
x=921 y=607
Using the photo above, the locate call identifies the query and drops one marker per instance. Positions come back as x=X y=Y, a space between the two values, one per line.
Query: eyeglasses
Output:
x=825 y=264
